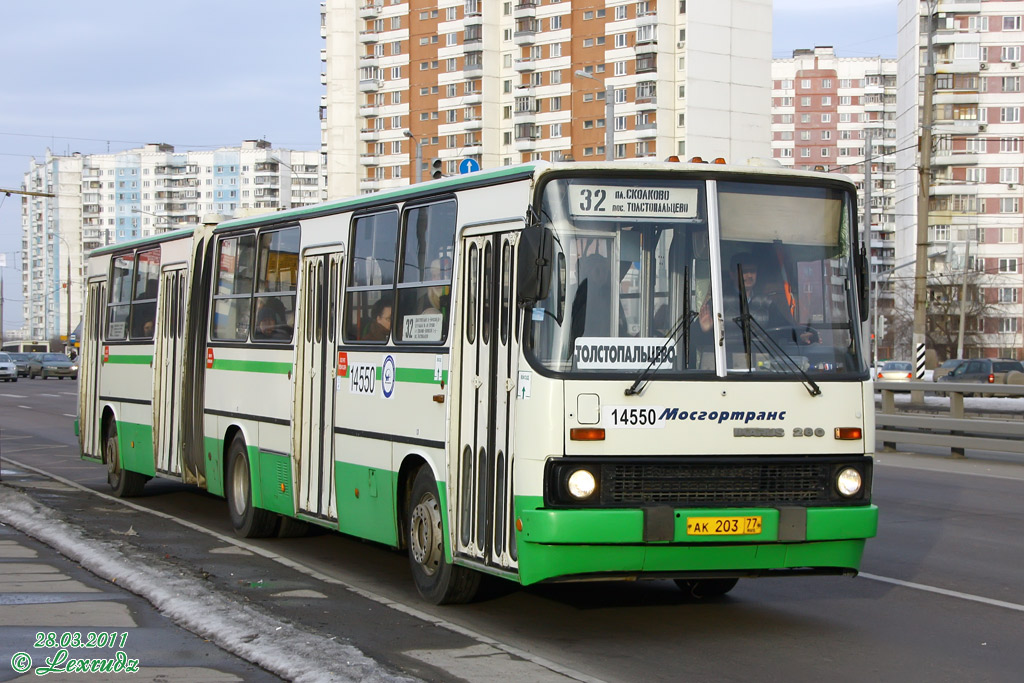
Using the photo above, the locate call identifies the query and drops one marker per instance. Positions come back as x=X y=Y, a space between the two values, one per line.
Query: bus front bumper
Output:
x=563 y=544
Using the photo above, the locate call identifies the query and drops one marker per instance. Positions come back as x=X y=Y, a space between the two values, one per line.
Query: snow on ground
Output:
x=239 y=629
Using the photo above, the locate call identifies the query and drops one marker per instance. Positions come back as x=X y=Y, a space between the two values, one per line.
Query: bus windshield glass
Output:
x=691 y=277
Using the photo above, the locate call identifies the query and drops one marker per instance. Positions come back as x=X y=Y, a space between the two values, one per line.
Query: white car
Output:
x=8 y=368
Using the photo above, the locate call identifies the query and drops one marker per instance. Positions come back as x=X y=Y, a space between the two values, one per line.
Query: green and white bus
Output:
x=545 y=372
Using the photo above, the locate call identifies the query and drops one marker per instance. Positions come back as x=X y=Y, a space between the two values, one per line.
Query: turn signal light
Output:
x=586 y=434
x=849 y=433
x=718 y=160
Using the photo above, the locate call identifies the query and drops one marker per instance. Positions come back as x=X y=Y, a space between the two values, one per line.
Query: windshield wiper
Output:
x=754 y=334
x=765 y=342
x=683 y=322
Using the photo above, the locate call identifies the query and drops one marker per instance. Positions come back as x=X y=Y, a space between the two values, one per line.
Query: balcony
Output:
x=647 y=130
x=370 y=85
x=369 y=60
x=524 y=65
x=369 y=134
x=525 y=9
x=369 y=159
x=370 y=10
x=369 y=110
x=370 y=37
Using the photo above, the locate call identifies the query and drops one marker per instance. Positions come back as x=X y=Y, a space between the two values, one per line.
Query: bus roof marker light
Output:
x=719 y=160
x=849 y=433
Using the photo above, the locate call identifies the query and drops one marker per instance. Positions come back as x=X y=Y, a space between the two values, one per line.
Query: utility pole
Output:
x=866 y=240
x=963 y=300
x=924 y=185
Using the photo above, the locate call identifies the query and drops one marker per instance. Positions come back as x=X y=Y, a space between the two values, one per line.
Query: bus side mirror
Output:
x=862 y=266
x=536 y=248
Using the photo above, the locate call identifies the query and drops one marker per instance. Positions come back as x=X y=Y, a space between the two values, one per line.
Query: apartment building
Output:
x=505 y=82
x=833 y=113
x=103 y=199
x=975 y=217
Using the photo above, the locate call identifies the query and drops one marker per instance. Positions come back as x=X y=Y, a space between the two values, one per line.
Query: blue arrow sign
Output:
x=468 y=166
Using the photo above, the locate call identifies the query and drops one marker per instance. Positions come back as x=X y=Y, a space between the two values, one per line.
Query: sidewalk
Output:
x=47 y=601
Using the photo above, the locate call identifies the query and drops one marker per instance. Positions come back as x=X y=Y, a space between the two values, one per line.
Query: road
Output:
x=939 y=598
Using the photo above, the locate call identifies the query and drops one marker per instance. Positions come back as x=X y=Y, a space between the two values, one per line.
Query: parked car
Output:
x=984 y=371
x=52 y=365
x=8 y=368
x=946 y=368
x=22 y=360
x=895 y=371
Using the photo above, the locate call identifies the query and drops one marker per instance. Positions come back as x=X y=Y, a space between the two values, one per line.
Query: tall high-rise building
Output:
x=974 y=190
x=103 y=199
x=833 y=113
x=499 y=83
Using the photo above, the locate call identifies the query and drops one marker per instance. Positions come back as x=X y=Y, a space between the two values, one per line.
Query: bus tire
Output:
x=436 y=579
x=125 y=483
x=248 y=520
x=700 y=589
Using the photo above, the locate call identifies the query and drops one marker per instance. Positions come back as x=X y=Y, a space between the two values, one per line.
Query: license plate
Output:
x=723 y=526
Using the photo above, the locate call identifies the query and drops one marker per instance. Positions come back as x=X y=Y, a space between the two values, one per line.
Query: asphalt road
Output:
x=940 y=597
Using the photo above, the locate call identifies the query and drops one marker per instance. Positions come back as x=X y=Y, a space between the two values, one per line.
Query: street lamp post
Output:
x=418 y=168
x=609 y=114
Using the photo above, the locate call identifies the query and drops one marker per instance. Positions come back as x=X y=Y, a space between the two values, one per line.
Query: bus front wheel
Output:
x=437 y=579
x=125 y=483
x=699 y=589
x=248 y=520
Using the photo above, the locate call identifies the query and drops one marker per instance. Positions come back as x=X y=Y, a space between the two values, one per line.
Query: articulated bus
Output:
x=546 y=372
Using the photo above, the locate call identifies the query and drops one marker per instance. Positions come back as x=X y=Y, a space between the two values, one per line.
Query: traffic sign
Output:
x=468 y=166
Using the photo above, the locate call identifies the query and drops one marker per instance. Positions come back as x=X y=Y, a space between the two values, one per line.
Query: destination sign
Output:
x=639 y=201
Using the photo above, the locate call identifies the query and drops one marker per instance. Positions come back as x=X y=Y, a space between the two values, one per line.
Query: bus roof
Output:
x=483 y=179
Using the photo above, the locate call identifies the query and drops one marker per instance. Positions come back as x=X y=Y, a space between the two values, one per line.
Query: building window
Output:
x=1011 y=23
x=1009 y=295
x=620 y=40
x=1009 y=114
x=1009 y=175
x=1010 y=53
x=826 y=101
x=1009 y=204
x=555 y=23
x=1007 y=265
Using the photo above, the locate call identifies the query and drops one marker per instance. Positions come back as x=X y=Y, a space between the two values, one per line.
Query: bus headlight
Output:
x=849 y=481
x=581 y=484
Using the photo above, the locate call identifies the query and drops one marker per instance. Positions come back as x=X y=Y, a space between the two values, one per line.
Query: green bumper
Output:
x=567 y=543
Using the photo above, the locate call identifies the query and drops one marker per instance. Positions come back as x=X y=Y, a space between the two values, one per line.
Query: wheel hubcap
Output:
x=425 y=534
x=113 y=465
x=240 y=488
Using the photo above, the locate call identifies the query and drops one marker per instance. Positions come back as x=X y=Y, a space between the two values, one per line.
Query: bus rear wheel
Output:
x=437 y=579
x=248 y=520
x=700 y=589
x=125 y=483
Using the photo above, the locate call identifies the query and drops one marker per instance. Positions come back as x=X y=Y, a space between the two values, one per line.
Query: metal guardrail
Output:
x=918 y=424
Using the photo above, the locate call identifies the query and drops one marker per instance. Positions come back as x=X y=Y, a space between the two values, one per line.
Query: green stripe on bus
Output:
x=269 y=367
x=130 y=359
x=419 y=375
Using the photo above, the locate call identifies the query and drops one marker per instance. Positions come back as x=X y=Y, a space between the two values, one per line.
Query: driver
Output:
x=766 y=302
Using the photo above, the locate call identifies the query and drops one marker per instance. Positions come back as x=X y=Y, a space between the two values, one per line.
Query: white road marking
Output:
x=15 y=395
x=67 y=415
x=944 y=591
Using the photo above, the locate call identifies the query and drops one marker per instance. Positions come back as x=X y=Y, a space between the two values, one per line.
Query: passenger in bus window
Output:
x=436 y=298
x=379 y=326
x=270 y=321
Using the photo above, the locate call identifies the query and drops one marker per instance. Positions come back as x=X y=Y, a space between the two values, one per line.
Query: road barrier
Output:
x=932 y=425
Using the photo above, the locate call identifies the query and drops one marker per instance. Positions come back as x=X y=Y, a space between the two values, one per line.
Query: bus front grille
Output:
x=771 y=481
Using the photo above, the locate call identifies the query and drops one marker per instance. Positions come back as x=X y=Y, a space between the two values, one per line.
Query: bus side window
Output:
x=425 y=278
x=232 y=294
x=371 y=277
x=147 y=284
x=277 y=273
x=119 y=306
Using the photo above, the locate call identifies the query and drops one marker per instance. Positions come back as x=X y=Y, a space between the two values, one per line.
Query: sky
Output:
x=108 y=75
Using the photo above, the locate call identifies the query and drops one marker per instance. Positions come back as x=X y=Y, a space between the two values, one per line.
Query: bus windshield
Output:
x=691 y=276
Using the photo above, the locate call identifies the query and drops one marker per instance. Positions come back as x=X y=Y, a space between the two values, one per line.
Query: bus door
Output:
x=89 y=362
x=168 y=370
x=315 y=399
x=488 y=367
